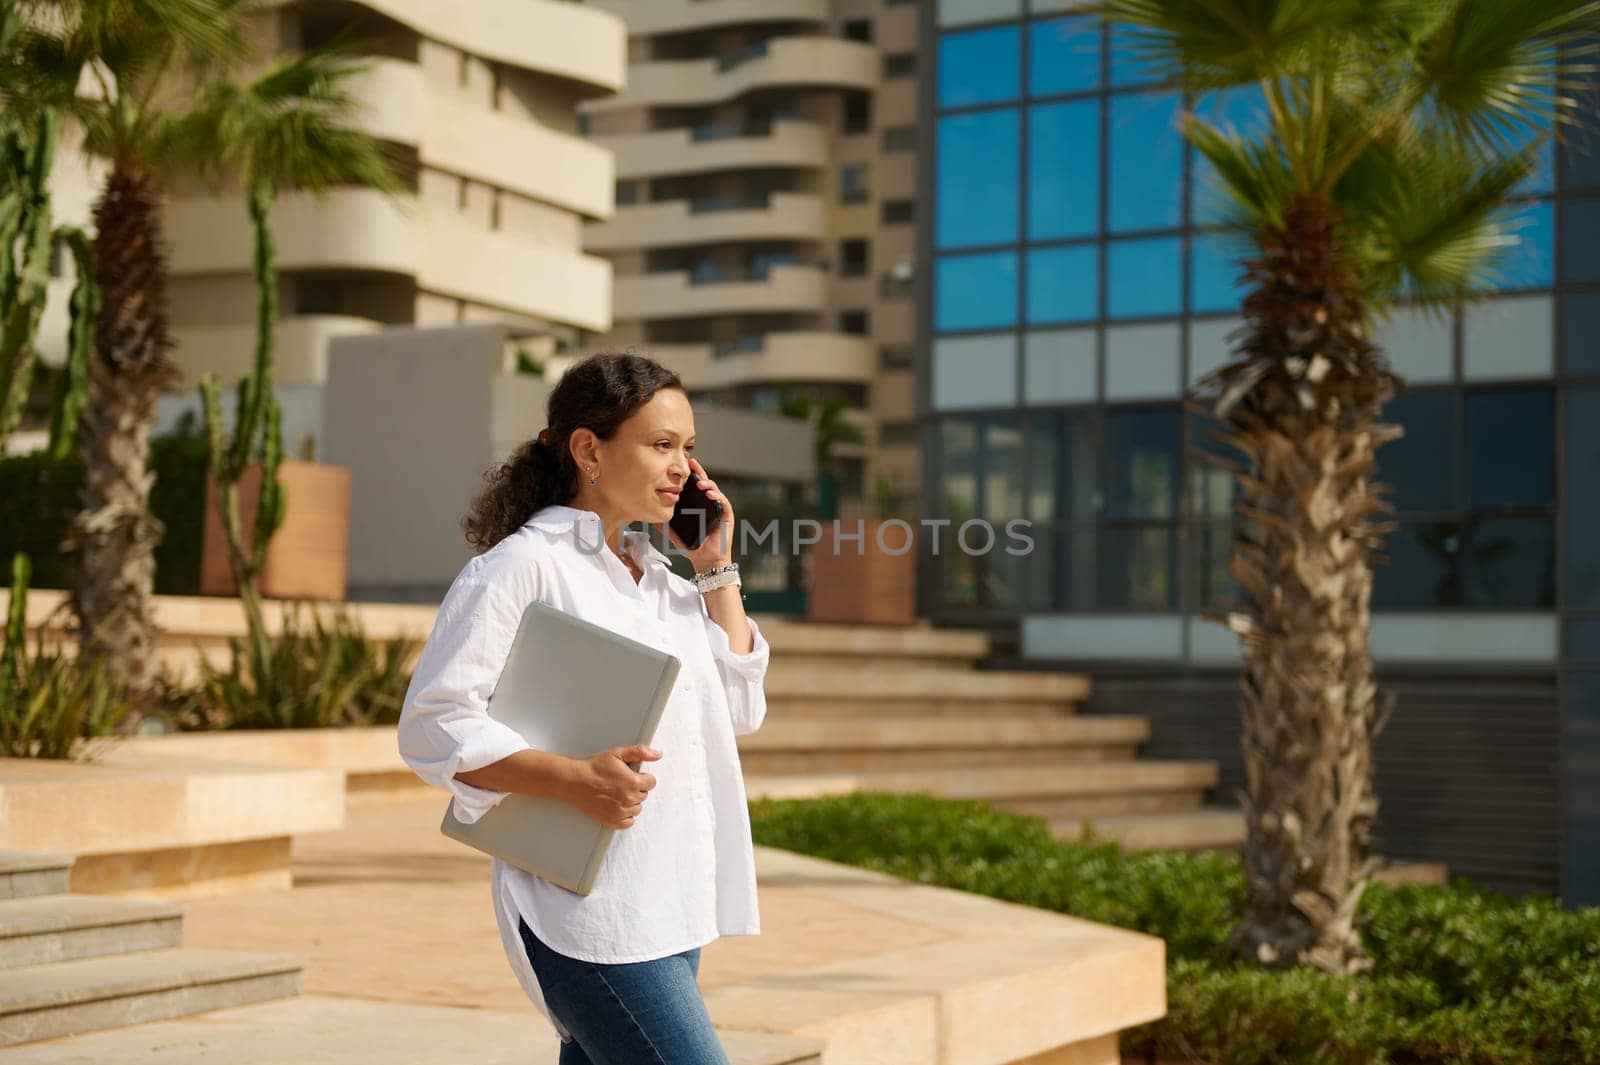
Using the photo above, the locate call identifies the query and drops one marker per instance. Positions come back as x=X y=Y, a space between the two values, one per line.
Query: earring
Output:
x=592 y=479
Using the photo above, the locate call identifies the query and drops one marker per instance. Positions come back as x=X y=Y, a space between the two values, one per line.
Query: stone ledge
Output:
x=182 y=828
x=344 y=1031
x=1002 y=983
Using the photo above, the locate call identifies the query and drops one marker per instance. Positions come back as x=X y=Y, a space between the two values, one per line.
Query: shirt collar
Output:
x=558 y=516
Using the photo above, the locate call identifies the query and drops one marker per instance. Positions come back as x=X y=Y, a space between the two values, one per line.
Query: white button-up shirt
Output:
x=684 y=872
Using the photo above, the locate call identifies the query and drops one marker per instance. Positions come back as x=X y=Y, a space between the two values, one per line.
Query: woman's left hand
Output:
x=717 y=548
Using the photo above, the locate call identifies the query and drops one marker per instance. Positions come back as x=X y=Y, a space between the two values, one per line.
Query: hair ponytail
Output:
x=599 y=393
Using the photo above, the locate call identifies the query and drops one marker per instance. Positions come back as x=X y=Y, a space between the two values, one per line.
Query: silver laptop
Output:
x=573 y=688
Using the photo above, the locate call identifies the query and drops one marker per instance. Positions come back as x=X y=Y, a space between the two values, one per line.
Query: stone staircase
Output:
x=80 y=963
x=906 y=709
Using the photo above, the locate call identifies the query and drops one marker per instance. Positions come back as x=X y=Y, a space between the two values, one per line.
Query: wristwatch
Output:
x=718 y=577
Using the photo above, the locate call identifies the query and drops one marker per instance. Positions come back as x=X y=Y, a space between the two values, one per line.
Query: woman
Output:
x=614 y=970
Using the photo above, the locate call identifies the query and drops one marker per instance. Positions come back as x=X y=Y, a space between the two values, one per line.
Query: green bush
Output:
x=38 y=499
x=49 y=702
x=323 y=675
x=1460 y=976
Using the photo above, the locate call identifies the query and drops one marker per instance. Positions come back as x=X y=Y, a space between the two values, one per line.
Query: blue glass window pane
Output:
x=1063 y=56
x=975 y=291
x=1062 y=285
x=1423 y=568
x=1144 y=277
x=1421 y=466
x=980 y=66
x=1509 y=563
x=1241 y=110
x=1127 y=68
x=1510 y=448
x=1064 y=170
x=977 y=166
x=1530 y=263
x=1580 y=503
x=1214 y=272
x=1140 y=463
x=1138 y=569
x=1146 y=161
x=1580 y=251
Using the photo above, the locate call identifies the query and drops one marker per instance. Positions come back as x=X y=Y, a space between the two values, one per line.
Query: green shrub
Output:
x=49 y=702
x=325 y=675
x=38 y=498
x=1460 y=976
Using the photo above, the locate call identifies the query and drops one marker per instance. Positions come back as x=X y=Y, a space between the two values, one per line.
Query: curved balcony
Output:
x=391 y=96
x=358 y=229
x=488 y=146
x=345 y=229
x=703 y=149
x=531 y=279
x=827 y=62
x=772 y=358
x=648 y=17
x=579 y=43
x=518 y=155
x=786 y=289
x=300 y=352
x=780 y=216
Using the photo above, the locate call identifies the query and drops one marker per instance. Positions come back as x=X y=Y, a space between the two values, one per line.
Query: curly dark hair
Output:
x=599 y=393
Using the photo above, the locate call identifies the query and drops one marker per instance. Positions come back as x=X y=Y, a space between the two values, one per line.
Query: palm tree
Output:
x=137 y=55
x=288 y=127
x=1395 y=131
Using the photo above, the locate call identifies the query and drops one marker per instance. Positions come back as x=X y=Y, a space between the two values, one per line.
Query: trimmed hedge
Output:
x=1460 y=976
x=38 y=499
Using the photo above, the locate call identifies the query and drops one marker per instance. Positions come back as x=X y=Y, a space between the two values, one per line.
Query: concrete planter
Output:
x=866 y=581
x=308 y=557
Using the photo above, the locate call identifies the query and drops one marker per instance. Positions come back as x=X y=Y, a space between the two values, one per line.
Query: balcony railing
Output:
x=747 y=201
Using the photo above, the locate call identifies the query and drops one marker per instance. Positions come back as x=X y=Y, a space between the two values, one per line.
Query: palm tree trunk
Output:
x=115 y=533
x=1303 y=407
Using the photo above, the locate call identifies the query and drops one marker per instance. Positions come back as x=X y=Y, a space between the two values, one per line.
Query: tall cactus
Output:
x=258 y=434
x=26 y=241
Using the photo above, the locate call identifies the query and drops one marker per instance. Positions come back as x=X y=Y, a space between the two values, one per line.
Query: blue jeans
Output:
x=640 y=1013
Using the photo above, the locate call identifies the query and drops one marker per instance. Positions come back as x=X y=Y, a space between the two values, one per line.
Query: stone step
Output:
x=910 y=685
x=329 y=1030
x=1205 y=829
x=894 y=743
x=788 y=662
x=1001 y=785
x=788 y=707
x=25 y=874
x=52 y=928
x=90 y=994
x=920 y=733
x=1113 y=804
x=873 y=641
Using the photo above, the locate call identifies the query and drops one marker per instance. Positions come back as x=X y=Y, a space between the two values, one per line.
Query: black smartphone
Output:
x=695 y=515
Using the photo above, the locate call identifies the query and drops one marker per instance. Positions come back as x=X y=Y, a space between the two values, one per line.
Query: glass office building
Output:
x=1079 y=285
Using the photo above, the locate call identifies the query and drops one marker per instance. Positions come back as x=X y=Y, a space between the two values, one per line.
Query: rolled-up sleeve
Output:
x=445 y=728
x=742 y=675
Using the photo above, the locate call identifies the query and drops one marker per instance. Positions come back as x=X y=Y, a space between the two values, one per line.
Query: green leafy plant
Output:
x=316 y=674
x=50 y=703
x=1459 y=975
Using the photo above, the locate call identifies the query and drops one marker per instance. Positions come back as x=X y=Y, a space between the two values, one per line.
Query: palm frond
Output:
x=1430 y=219
x=292 y=125
x=1216 y=43
x=1253 y=173
x=1494 y=71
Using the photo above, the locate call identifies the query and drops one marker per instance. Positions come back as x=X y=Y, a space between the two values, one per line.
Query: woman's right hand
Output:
x=609 y=789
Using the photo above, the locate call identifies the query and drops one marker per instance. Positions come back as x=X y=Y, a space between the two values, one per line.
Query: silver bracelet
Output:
x=717 y=577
